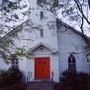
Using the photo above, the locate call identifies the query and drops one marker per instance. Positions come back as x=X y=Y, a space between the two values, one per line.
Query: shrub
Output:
x=10 y=77
x=75 y=80
x=14 y=74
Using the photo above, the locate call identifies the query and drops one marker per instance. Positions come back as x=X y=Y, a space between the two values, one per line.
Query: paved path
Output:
x=40 y=86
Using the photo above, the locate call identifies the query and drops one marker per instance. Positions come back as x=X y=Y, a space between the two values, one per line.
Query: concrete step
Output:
x=40 y=86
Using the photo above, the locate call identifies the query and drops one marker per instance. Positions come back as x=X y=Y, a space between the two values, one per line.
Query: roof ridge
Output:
x=73 y=29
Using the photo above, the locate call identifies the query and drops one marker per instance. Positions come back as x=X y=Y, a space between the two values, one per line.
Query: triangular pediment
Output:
x=41 y=47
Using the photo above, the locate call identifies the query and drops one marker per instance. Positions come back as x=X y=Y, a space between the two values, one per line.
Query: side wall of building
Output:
x=70 y=42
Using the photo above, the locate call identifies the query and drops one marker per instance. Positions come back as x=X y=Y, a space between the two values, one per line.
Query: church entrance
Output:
x=42 y=68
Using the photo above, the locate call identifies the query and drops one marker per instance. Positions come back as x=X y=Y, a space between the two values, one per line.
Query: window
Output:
x=89 y=68
x=41 y=48
x=71 y=63
x=88 y=60
x=88 y=57
x=40 y=1
x=55 y=3
x=14 y=61
x=41 y=15
x=41 y=33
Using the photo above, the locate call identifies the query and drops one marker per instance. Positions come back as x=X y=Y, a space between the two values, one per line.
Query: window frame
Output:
x=14 y=61
x=41 y=33
x=71 y=63
x=41 y=15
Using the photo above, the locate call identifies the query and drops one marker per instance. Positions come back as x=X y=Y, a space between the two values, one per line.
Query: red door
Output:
x=42 y=68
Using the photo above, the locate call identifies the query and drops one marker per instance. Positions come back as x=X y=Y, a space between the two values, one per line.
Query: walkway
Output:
x=43 y=85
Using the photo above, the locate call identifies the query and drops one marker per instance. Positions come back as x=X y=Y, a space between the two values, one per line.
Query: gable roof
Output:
x=6 y=38
x=53 y=51
x=59 y=22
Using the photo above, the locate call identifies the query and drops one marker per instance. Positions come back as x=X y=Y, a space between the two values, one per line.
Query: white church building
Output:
x=52 y=46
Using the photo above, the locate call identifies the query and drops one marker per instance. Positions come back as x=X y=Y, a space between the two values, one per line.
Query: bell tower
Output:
x=40 y=10
x=44 y=30
x=43 y=22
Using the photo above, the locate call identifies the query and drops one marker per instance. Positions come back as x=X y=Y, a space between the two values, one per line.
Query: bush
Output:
x=14 y=75
x=76 y=80
x=10 y=77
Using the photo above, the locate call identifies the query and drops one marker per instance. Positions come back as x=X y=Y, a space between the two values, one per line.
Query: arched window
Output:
x=71 y=63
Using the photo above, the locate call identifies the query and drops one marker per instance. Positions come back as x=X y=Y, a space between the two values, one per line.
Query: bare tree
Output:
x=77 y=11
x=79 y=5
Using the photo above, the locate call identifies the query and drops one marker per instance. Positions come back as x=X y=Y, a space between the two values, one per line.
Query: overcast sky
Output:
x=23 y=18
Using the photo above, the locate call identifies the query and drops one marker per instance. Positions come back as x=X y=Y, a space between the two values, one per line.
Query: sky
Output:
x=76 y=22
x=23 y=17
x=21 y=12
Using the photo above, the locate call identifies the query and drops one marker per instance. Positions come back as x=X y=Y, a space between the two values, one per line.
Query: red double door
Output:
x=42 y=68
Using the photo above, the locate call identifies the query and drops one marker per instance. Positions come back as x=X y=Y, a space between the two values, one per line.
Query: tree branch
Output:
x=81 y=11
x=82 y=26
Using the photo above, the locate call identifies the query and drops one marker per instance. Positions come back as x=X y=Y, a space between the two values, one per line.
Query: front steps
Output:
x=43 y=85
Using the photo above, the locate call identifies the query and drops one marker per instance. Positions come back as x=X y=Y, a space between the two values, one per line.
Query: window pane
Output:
x=41 y=33
x=41 y=15
x=71 y=63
